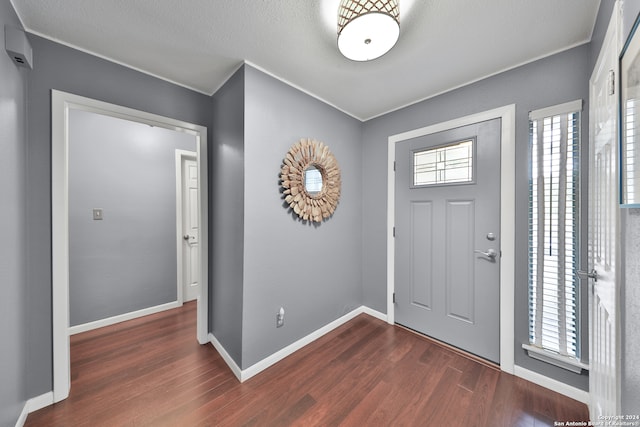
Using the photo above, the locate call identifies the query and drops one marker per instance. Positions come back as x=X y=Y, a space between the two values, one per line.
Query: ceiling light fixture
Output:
x=367 y=29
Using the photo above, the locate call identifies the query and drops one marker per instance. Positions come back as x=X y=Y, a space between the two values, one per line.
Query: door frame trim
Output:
x=507 y=218
x=181 y=155
x=611 y=45
x=61 y=103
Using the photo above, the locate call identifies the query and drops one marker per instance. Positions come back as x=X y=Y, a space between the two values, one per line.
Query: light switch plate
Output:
x=97 y=214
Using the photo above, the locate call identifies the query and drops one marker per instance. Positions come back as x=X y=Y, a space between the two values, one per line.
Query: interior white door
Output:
x=604 y=324
x=190 y=226
x=447 y=214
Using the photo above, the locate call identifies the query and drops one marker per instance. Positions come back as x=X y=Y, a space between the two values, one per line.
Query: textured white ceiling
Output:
x=443 y=44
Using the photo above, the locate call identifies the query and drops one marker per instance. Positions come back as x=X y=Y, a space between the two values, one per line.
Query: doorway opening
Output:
x=507 y=218
x=62 y=105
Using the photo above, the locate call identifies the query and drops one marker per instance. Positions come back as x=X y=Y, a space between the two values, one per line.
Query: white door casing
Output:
x=507 y=218
x=604 y=229
x=61 y=103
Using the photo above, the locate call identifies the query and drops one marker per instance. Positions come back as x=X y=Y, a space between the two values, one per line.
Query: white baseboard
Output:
x=245 y=374
x=260 y=366
x=23 y=416
x=374 y=313
x=226 y=357
x=40 y=402
x=292 y=348
x=33 y=405
x=551 y=384
x=122 y=318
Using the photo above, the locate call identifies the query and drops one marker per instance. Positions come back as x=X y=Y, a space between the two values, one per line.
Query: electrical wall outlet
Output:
x=280 y=318
x=97 y=214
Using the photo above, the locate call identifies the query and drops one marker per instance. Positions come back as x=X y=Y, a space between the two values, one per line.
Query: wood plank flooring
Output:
x=152 y=372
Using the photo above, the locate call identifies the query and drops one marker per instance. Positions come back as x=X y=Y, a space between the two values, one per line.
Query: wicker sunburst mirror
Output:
x=310 y=177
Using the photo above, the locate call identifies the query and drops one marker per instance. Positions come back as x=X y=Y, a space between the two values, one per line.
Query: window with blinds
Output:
x=630 y=153
x=554 y=228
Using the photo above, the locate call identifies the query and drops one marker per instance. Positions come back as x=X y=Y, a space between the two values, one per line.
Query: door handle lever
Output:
x=185 y=237
x=588 y=274
x=491 y=253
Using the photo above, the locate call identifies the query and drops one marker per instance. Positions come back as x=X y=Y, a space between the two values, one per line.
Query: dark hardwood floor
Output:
x=151 y=372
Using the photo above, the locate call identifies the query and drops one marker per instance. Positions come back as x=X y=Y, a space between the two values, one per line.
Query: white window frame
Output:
x=534 y=348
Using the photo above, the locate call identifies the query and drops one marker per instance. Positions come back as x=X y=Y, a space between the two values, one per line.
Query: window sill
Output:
x=564 y=362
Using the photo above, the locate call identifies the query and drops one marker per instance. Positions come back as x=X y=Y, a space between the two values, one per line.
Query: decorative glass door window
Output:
x=447 y=164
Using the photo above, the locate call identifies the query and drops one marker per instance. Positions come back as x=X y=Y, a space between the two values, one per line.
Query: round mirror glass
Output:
x=312 y=180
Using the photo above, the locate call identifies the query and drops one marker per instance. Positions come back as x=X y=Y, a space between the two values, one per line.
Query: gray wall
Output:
x=630 y=11
x=560 y=78
x=126 y=261
x=226 y=187
x=314 y=272
x=264 y=258
x=599 y=31
x=13 y=228
x=630 y=312
x=60 y=67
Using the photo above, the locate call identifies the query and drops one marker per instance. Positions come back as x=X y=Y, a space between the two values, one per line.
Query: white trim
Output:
x=203 y=238
x=33 y=405
x=110 y=59
x=374 y=313
x=61 y=103
x=551 y=384
x=268 y=361
x=60 y=246
x=565 y=362
x=507 y=218
x=122 y=317
x=391 y=222
x=305 y=91
x=180 y=155
x=229 y=76
x=478 y=79
x=39 y=402
x=226 y=357
x=22 y=418
x=297 y=345
x=555 y=110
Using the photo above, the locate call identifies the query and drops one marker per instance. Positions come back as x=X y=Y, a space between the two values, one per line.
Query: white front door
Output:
x=447 y=223
x=190 y=267
x=603 y=283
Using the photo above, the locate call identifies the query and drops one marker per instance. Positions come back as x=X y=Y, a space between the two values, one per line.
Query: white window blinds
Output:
x=553 y=228
x=630 y=152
